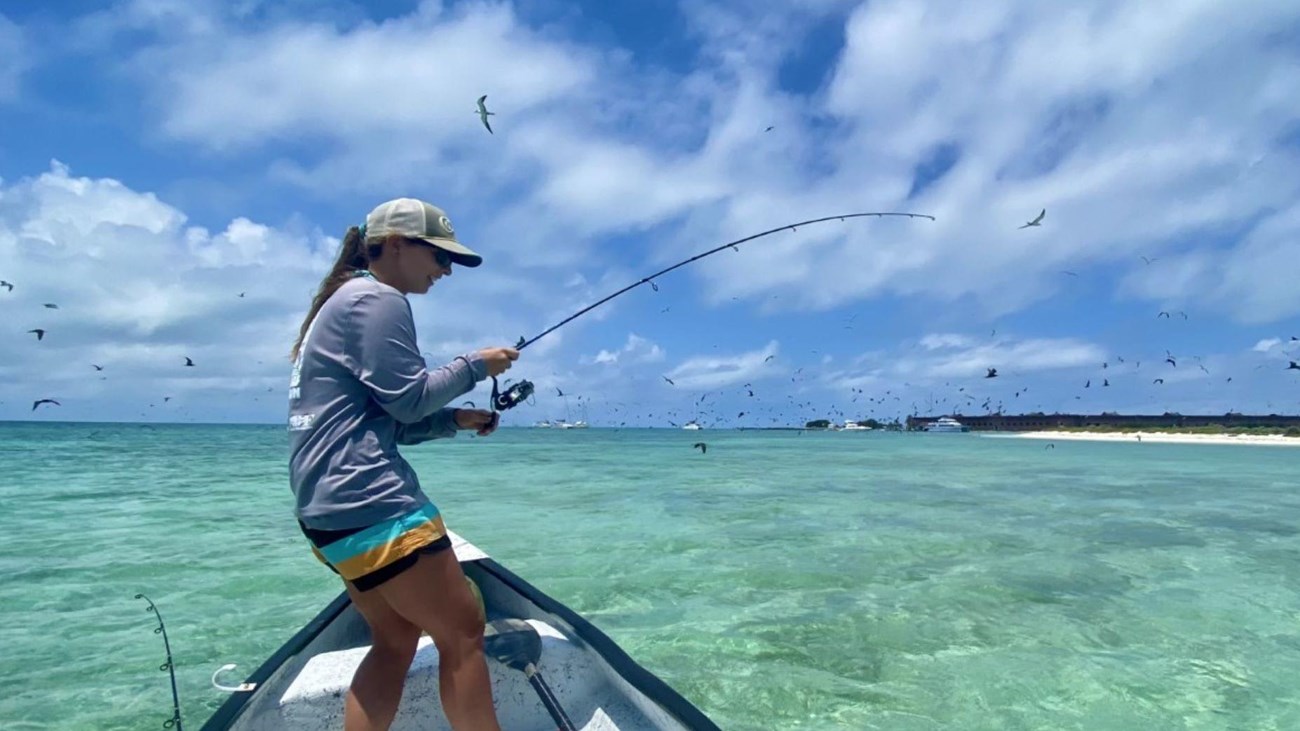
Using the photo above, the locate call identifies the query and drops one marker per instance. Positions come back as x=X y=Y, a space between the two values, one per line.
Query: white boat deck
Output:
x=315 y=698
x=306 y=693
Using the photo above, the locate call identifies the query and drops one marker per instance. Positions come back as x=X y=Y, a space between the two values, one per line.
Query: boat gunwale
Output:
x=644 y=681
x=227 y=713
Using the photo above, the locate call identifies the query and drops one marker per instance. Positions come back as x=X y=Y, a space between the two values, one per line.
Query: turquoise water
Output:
x=780 y=581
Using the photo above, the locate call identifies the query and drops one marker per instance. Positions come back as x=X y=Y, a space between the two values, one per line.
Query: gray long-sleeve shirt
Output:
x=359 y=388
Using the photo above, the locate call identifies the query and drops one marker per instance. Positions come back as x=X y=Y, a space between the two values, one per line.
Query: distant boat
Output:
x=850 y=425
x=543 y=424
x=691 y=426
x=579 y=424
x=945 y=425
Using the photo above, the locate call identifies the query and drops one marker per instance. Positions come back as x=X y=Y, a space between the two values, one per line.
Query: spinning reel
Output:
x=514 y=395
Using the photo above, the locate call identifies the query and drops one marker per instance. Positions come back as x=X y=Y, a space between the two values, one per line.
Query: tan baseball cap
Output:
x=416 y=219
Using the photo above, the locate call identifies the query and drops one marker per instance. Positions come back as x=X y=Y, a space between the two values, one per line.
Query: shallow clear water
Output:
x=780 y=581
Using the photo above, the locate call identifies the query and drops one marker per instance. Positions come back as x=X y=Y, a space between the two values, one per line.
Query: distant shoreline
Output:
x=1169 y=437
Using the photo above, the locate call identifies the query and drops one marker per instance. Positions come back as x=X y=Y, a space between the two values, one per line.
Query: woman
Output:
x=359 y=388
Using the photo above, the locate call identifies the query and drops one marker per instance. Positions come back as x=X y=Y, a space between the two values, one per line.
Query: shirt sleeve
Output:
x=384 y=356
x=438 y=425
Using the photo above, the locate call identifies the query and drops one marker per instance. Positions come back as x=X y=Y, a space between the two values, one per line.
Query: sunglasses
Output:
x=442 y=257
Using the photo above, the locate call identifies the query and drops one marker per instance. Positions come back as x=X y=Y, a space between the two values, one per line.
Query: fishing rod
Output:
x=520 y=391
x=169 y=666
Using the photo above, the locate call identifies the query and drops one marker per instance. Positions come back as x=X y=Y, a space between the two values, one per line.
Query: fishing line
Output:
x=522 y=390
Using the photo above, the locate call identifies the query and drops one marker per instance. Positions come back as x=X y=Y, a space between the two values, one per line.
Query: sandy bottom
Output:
x=1160 y=437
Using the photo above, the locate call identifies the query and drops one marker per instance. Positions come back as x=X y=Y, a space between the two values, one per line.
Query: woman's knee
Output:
x=399 y=639
x=463 y=633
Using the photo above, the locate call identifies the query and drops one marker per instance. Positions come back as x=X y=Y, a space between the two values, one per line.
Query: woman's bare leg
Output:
x=434 y=596
x=376 y=690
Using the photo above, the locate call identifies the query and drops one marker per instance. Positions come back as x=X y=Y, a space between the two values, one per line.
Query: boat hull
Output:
x=599 y=686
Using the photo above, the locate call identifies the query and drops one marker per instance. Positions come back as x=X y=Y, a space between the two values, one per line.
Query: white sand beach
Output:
x=1159 y=437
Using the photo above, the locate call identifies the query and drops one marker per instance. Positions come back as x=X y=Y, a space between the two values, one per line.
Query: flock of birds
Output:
x=40 y=332
x=959 y=399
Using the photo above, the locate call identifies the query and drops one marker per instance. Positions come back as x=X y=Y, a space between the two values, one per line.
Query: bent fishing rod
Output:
x=520 y=391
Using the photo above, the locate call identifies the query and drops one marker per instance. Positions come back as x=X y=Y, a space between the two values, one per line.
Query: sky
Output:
x=176 y=175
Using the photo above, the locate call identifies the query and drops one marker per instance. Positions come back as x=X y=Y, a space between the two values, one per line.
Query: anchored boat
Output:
x=946 y=425
x=582 y=677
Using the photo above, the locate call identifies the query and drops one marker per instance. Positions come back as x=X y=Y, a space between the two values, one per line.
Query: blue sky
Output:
x=160 y=157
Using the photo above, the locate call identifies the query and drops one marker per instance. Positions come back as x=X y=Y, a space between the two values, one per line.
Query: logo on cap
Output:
x=446 y=223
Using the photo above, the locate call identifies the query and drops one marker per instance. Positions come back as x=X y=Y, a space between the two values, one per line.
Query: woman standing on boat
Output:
x=360 y=388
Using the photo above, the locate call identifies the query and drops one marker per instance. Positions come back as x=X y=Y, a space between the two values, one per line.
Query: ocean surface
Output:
x=780 y=581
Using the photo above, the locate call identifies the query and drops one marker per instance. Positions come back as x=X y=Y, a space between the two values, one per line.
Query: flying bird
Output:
x=45 y=401
x=558 y=392
x=483 y=113
x=670 y=381
x=1159 y=380
x=704 y=448
x=97 y=367
x=39 y=333
x=51 y=306
x=993 y=373
x=1072 y=274
x=1037 y=221
x=471 y=404
x=10 y=285
x=188 y=362
x=1294 y=366
x=769 y=129
x=770 y=357
x=1162 y=314
x=1148 y=261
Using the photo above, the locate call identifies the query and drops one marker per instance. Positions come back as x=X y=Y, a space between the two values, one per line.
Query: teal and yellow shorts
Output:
x=369 y=556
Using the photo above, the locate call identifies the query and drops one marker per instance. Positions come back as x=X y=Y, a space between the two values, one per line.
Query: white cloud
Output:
x=946 y=340
x=387 y=81
x=127 y=260
x=137 y=290
x=16 y=58
x=1067 y=109
x=965 y=359
x=1087 y=138
x=1267 y=345
x=637 y=350
x=716 y=371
